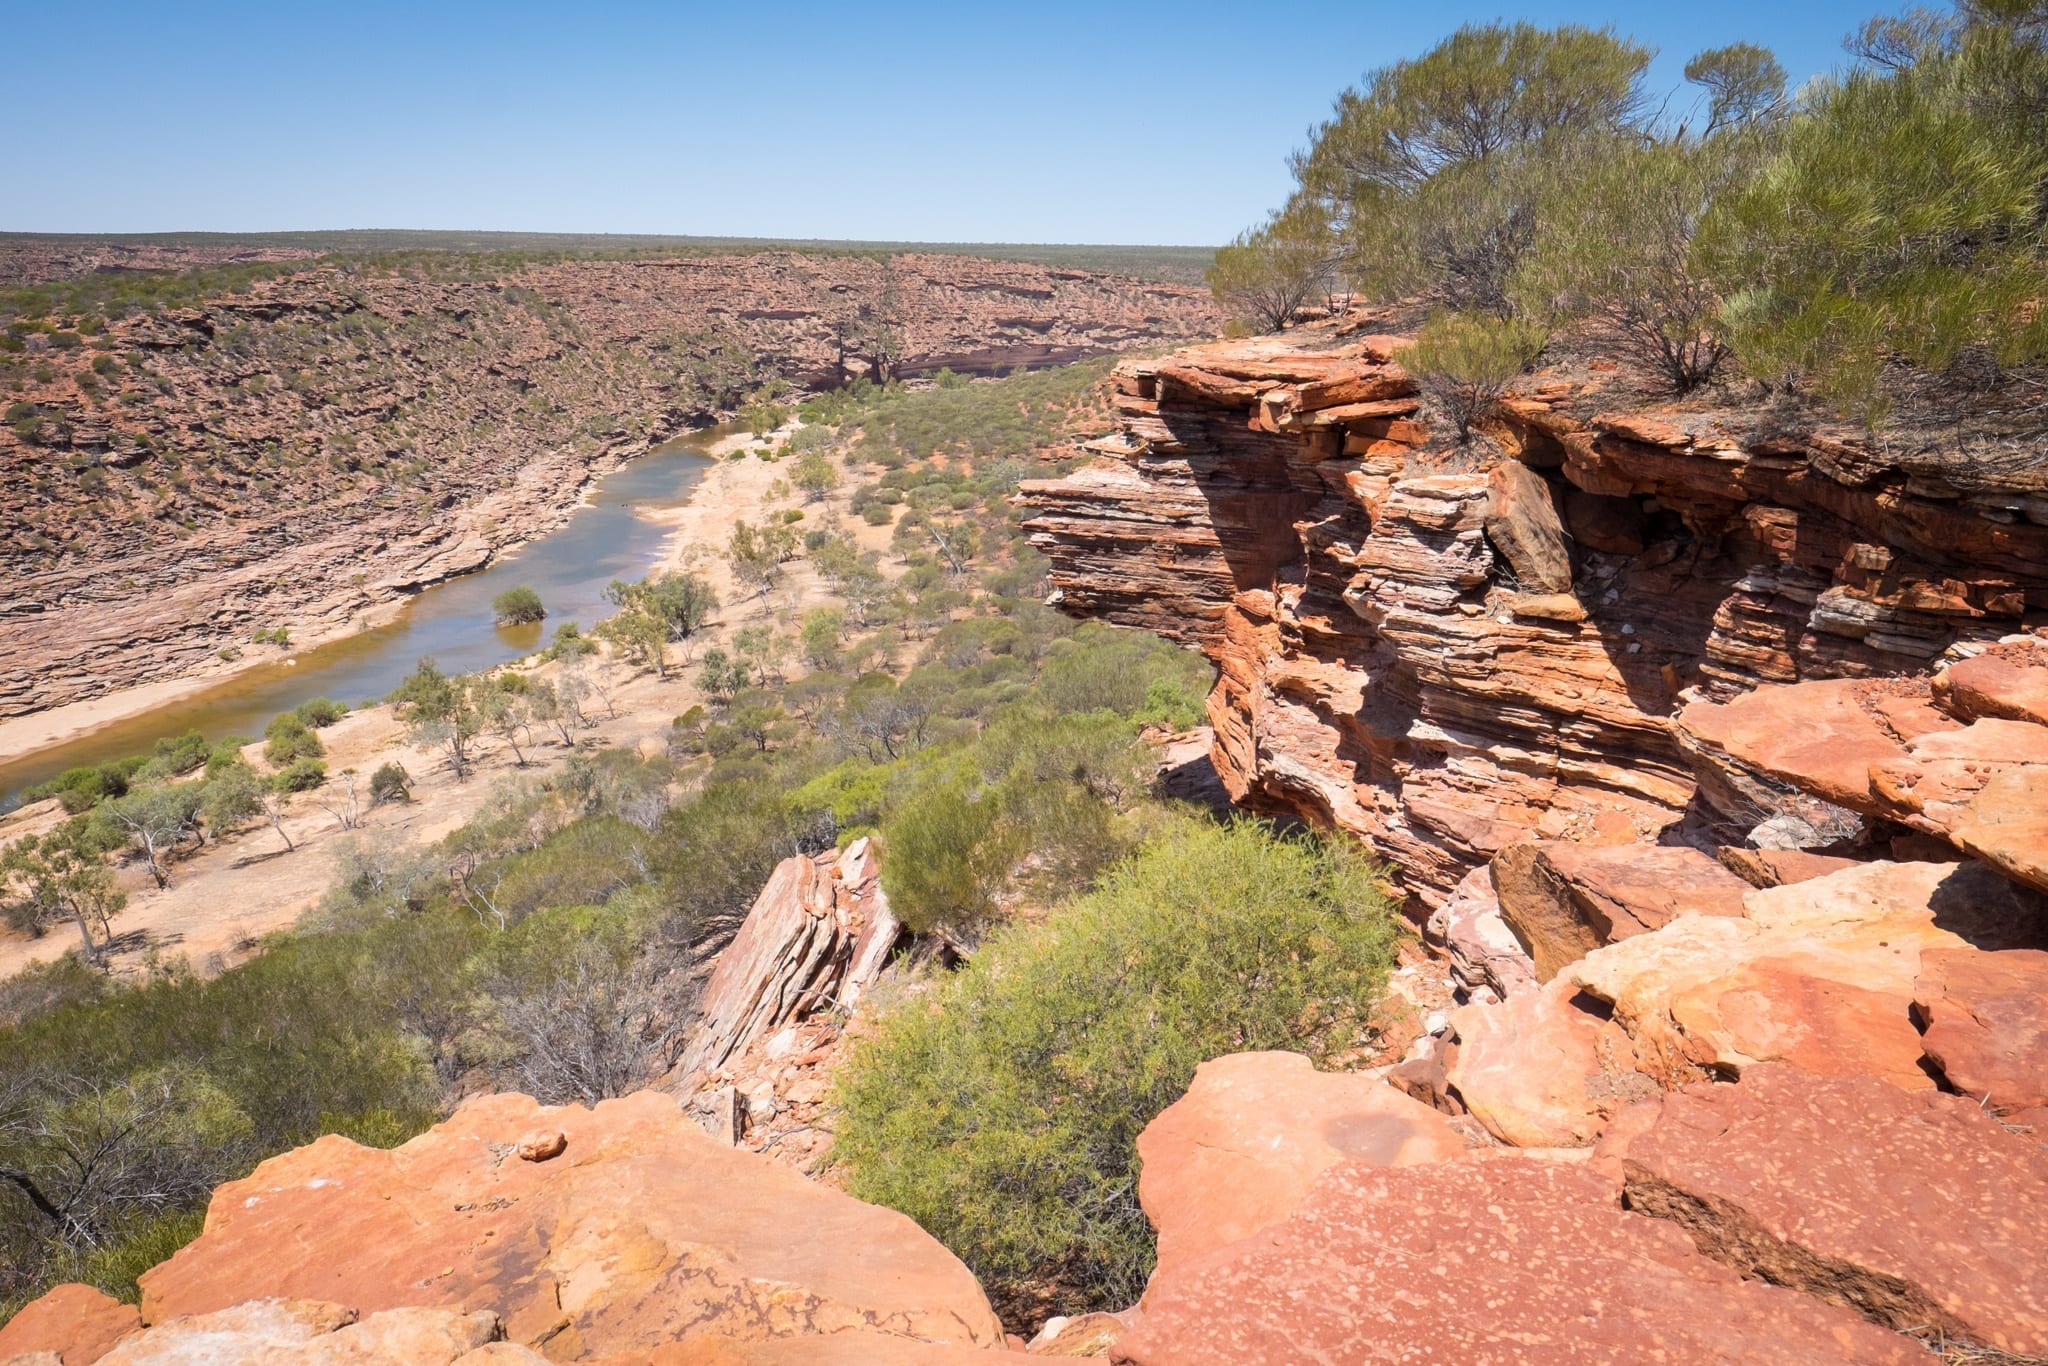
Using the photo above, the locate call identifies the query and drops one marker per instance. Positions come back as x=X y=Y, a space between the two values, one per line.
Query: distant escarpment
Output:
x=1451 y=653
x=337 y=436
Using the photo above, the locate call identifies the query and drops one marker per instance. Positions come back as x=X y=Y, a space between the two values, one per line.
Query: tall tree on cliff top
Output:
x=1434 y=173
x=1904 y=213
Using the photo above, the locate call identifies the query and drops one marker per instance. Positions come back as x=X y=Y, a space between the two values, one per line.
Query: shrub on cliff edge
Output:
x=1002 y=1112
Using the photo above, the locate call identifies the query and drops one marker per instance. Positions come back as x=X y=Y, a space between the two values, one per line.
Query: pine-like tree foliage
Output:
x=1901 y=215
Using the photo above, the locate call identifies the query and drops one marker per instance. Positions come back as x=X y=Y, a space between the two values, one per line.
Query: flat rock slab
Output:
x=1543 y=1069
x=1564 y=900
x=1242 y=1148
x=1819 y=973
x=309 y=1333
x=2008 y=681
x=77 y=1322
x=1503 y=1261
x=643 y=1229
x=1916 y=1209
x=1983 y=788
x=1986 y=1023
x=1820 y=737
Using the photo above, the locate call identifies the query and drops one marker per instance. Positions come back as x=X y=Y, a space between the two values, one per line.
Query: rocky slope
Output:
x=334 y=438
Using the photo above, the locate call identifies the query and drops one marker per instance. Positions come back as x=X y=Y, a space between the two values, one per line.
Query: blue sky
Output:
x=1123 y=121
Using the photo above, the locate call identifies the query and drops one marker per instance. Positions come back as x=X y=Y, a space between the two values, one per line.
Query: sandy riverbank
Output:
x=225 y=896
x=724 y=486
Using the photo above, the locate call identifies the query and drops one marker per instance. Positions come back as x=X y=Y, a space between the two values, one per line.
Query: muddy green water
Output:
x=608 y=538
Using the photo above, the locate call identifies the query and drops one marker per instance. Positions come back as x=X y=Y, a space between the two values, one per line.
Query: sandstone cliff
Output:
x=1448 y=656
x=339 y=436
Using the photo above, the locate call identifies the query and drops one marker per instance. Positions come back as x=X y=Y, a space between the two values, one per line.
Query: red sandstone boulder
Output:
x=1241 y=1149
x=1522 y=523
x=1504 y=1261
x=1546 y=1069
x=819 y=932
x=1985 y=1023
x=1820 y=737
x=1487 y=961
x=2007 y=681
x=1818 y=973
x=1920 y=1211
x=1564 y=900
x=645 y=1226
x=1983 y=788
x=77 y=1322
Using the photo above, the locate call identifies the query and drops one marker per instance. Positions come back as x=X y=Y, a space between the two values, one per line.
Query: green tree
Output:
x=440 y=713
x=1435 y=172
x=1002 y=1110
x=1901 y=214
x=517 y=606
x=1265 y=275
x=1622 y=247
x=823 y=628
x=814 y=474
x=155 y=820
x=63 y=874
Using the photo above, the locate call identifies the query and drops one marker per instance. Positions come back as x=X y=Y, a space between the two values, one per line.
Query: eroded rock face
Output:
x=1918 y=1210
x=642 y=1231
x=1404 y=654
x=1487 y=1262
x=1242 y=1148
x=1564 y=900
x=817 y=935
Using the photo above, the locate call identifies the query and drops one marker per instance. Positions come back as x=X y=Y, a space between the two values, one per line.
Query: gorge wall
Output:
x=1449 y=658
x=339 y=436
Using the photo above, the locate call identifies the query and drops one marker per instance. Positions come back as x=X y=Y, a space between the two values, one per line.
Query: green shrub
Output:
x=1465 y=361
x=1002 y=1111
x=320 y=712
x=390 y=783
x=517 y=606
x=290 y=739
x=301 y=775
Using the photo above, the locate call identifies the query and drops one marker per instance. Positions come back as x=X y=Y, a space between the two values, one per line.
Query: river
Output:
x=609 y=537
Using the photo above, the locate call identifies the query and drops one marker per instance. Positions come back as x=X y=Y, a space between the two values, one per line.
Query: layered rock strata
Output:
x=817 y=936
x=1449 y=660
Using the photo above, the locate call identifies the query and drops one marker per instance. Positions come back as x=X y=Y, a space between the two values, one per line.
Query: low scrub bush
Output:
x=1002 y=1111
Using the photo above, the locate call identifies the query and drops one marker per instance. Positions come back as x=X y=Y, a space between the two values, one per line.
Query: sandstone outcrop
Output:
x=1241 y=1150
x=1984 y=1023
x=1547 y=1069
x=816 y=936
x=284 y=1332
x=335 y=438
x=1488 y=1262
x=1564 y=900
x=76 y=1322
x=1400 y=656
x=643 y=1231
x=1917 y=1210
